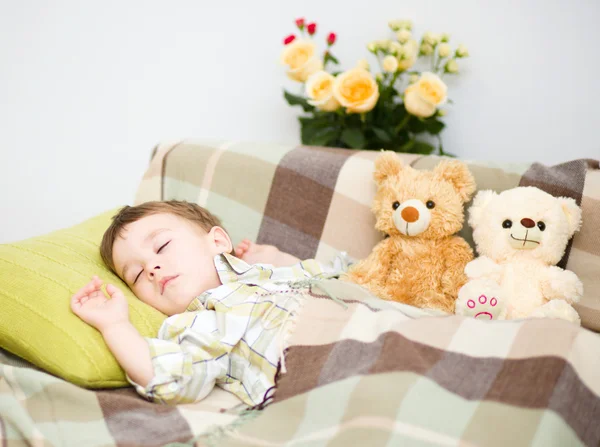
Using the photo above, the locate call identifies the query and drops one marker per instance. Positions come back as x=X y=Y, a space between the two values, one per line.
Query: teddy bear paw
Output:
x=480 y=299
x=557 y=309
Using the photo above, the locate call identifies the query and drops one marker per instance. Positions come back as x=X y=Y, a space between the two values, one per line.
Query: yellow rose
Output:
x=319 y=88
x=390 y=64
x=356 y=90
x=424 y=96
x=300 y=57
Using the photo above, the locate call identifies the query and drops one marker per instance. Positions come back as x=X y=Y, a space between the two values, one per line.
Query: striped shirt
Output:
x=231 y=336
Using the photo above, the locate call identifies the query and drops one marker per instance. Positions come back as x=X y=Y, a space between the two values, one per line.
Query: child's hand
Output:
x=90 y=304
x=263 y=254
x=255 y=253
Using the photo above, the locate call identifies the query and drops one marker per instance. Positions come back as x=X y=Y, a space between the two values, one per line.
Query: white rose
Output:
x=462 y=51
x=363 y=63
x=384 y=44
x=451 y=66
x=406 y=24
x=300 y=57
x=444 y=50
x=396 y=48
x=426 y=49
x=390 y=64
x=431 y=38
x=319 y=88
x=410 y=51
x=403 y=35
x=395 y=25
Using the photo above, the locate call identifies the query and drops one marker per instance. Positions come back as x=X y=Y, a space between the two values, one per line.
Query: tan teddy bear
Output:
x=420 y=262
x=520 y=235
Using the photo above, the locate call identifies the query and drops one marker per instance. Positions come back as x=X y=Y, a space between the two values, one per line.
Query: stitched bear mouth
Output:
x=525 y=240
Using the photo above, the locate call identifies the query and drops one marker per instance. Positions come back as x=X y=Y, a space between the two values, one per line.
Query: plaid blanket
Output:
x=382 y=373
x=41 y=410
x=364 y=372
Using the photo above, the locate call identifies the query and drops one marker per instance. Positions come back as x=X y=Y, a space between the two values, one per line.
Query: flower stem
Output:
x=402 y=123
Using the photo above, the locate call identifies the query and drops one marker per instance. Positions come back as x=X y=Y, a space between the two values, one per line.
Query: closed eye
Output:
x=160 y=249
x=138 y=275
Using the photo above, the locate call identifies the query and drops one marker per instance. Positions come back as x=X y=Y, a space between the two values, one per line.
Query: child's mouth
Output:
x=165 y=281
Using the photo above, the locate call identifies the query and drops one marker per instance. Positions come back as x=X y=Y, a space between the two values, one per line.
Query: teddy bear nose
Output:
x=410 y=214
x=527 y=223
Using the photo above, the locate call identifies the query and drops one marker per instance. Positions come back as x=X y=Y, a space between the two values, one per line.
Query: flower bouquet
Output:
x=394 y=107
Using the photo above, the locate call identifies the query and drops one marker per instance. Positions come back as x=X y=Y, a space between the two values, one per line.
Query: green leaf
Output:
x=416 y=125
x=422 y=148
x=332 y=58
x=382 y=134
x=434 y=126
x=294 y=100
x=407 y=147
x=353 y=137
x=318 y=132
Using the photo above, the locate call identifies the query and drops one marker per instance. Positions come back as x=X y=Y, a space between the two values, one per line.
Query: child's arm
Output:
x=111 y=318
x=194 y=362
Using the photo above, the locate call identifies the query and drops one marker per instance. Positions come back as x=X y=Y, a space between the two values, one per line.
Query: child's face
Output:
x=167 y=261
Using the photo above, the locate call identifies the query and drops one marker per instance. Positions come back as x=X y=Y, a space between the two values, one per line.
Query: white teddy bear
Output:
x=520 y=235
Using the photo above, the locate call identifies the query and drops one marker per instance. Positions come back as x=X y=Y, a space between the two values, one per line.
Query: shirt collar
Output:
x=229 y=269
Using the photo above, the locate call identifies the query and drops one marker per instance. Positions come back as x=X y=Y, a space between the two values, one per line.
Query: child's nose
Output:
x=152 y=271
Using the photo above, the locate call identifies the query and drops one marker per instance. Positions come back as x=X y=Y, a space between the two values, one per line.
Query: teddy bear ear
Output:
x=386 y=165
x=573 y=213
x=480 y=202
x=456 y=173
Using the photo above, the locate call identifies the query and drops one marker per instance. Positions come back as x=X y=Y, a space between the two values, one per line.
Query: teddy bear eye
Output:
x=541 y=225
x=395 y=205
x=507 y=223
x=430 y=204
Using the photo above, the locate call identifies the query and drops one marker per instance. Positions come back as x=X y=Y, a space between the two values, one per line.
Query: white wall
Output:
x=87 y=88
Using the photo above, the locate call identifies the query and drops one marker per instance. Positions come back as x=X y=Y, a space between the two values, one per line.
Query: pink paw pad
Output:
x=483 y=300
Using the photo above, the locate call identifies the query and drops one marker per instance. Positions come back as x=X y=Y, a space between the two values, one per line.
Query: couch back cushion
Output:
x=314 y=201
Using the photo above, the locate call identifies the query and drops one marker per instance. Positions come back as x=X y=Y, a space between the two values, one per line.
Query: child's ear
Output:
x=458 y=175
x=221 y=239
x=386 y=165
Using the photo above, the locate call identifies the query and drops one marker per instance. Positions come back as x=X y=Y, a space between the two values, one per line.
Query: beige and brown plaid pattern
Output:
x=313 y=201
x=382 y=373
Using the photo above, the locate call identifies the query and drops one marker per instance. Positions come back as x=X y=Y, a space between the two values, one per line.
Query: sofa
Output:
x=359 y=370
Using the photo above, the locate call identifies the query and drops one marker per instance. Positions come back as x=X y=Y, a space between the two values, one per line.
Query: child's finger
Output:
x=85 y=290
x=113 y=290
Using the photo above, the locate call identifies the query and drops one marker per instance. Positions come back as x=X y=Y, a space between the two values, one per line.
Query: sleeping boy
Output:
x=227 y=316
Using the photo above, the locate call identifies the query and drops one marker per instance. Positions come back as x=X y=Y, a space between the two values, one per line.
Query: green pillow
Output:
x=37 y=278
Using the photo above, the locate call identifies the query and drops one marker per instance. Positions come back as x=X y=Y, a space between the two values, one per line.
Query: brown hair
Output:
x=129 y=214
